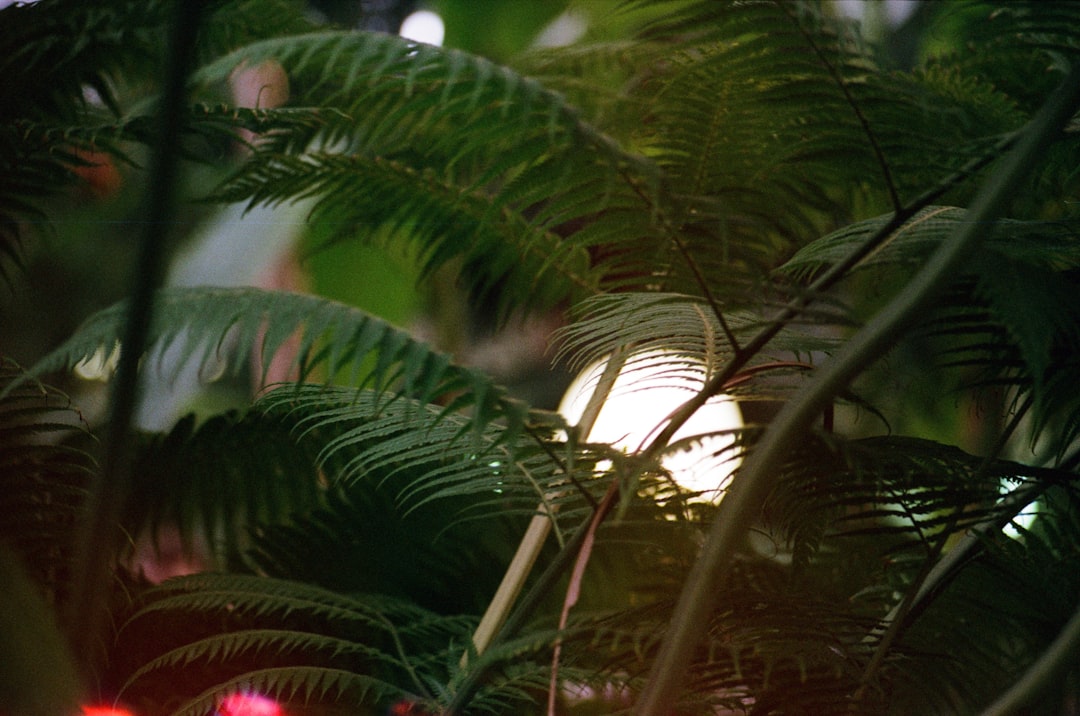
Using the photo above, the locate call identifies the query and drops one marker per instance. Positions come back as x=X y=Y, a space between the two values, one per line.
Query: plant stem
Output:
x=98 y=533
x=751 y=486
x=1047 y=668
x=536 y=534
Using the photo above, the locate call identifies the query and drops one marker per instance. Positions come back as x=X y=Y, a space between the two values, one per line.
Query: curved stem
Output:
x=751 y=486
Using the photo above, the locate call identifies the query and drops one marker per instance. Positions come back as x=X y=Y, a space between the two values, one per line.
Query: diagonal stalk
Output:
x=750 y=487
x=1047 y=669
x=91 y=573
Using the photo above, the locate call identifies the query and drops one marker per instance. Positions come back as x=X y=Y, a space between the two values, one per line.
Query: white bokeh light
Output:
x=649 y=388
x=423 y=26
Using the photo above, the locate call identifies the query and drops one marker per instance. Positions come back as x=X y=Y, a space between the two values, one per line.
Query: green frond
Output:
x=1018 y=46
x=219 y=478
x=507 y=256
x=683 y=325
x=904 y=495
x=236 y=644
x=303 y=685
x=292 y=641
x=362 y=541
x=399 y=93
x=1021 y=582
x=1010 y=316
x=500 y=168
x=348 y=346
x=1044 y=244
x=414 y=480
x=361 y=435
x=598 y=77
x=46 y=468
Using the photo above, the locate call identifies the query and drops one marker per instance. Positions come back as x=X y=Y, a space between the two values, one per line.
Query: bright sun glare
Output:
x=423 y=26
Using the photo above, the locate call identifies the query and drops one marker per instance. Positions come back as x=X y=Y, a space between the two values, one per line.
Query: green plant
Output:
x=880 y=264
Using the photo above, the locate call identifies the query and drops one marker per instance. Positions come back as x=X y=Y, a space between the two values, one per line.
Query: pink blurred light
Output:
x=249 y=705
x=105 y=711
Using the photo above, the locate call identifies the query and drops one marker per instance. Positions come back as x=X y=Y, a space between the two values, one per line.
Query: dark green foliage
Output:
x=739 y=182
x=46 y=466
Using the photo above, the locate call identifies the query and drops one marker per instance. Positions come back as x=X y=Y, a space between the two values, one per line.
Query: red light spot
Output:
x=105 y=711
x=249 y=705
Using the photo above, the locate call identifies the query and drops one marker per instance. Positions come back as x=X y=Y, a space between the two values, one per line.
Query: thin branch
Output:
x=530 y=602
x=563 y=467
x=709 y=297
x=573 y=589
x=826 y=280
x=750 y=487
x=886 y=173
x=699 y=278
x=536 y=533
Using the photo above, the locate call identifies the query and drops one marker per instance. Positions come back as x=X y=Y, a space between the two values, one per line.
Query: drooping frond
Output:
x=219 y=478
x=994 y=617
x=499 y=167
x=429 y=454
x=906 y=487
x=362 y=539
x=512 y=258
x=800 y=111
x=222 y=329
x=1043 y=244
x=679 y=323
x=298 y=643
x=398 y=91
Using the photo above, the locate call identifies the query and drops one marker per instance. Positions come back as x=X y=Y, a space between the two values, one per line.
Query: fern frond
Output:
x=362 y=435
x=46 y=468
x=296 y=642
x=507 y=256
x=362 y=541
x=499 y=167
x=351 y=347
x=1010 y=315
x=1044 y=244
x=303 y=685
x=415 y=85
x=686 y=327
x=1019 y=581
x=236 y=644
x=219 y=478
